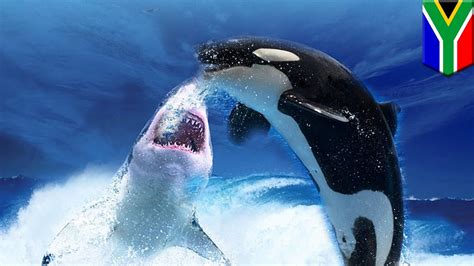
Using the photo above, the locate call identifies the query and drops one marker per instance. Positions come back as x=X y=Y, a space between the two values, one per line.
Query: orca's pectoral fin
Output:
x=390 y=111
x=290 y=100
x=243 y=121
x=195 y=239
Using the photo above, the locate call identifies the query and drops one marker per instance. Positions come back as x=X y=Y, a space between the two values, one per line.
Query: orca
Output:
x=150 y=204
x=331 y=121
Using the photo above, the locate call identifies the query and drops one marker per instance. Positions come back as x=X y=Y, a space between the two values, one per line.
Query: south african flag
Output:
x=448 y=34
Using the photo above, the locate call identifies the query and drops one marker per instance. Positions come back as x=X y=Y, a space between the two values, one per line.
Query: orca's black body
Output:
x=349 y=134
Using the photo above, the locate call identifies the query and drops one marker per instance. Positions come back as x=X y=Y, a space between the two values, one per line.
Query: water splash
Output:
x=247 y=230
x=190 y=95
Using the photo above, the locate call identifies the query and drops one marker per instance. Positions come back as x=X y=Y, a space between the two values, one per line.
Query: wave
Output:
x=253 y=219
x=413 y=198
x=261 y=188
x=48 y=210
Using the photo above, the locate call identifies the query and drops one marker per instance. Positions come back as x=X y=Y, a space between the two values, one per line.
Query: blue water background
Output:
x=79 y=79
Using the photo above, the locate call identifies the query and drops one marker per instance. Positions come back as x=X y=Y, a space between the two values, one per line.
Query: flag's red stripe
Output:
x=466 y=46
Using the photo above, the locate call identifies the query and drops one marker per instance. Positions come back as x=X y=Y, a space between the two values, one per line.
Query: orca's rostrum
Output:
x=334 y=125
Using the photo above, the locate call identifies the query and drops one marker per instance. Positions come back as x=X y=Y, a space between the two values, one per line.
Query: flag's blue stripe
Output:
x=430 y=46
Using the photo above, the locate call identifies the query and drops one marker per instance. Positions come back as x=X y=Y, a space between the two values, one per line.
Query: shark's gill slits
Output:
x=189 y=135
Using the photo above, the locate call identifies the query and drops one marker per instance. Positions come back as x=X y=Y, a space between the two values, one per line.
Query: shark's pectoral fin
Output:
x=243 y=121
x=290 y=99
x=195 y=239
x=390 y=111
x=47 y=259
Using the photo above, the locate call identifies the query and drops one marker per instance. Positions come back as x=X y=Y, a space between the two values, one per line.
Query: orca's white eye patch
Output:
x=275 y=55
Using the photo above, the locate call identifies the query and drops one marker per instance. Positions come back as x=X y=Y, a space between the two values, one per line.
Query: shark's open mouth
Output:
x=188 y=136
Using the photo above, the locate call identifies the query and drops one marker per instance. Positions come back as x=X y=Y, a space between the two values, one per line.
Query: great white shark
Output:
x=150 y=204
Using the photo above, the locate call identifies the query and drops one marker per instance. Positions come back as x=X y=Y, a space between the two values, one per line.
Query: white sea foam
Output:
x=271 y=233
x=272 y=183
x=247 y=232
x=48 y=210
x=429 y=259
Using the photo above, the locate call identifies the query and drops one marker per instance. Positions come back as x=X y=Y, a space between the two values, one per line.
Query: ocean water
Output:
x=79 y=79
x=254 y=219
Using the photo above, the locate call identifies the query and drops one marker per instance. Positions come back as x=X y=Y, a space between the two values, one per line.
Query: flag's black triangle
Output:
x=448 y=6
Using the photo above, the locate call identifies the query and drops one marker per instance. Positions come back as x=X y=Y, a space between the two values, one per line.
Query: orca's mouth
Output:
x=188 y=136
x=209 y=68
x=217 y=56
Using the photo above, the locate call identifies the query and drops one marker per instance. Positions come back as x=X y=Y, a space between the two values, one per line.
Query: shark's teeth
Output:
x=189 y=135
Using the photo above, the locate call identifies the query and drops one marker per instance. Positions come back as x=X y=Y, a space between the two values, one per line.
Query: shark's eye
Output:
x=275 y=55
